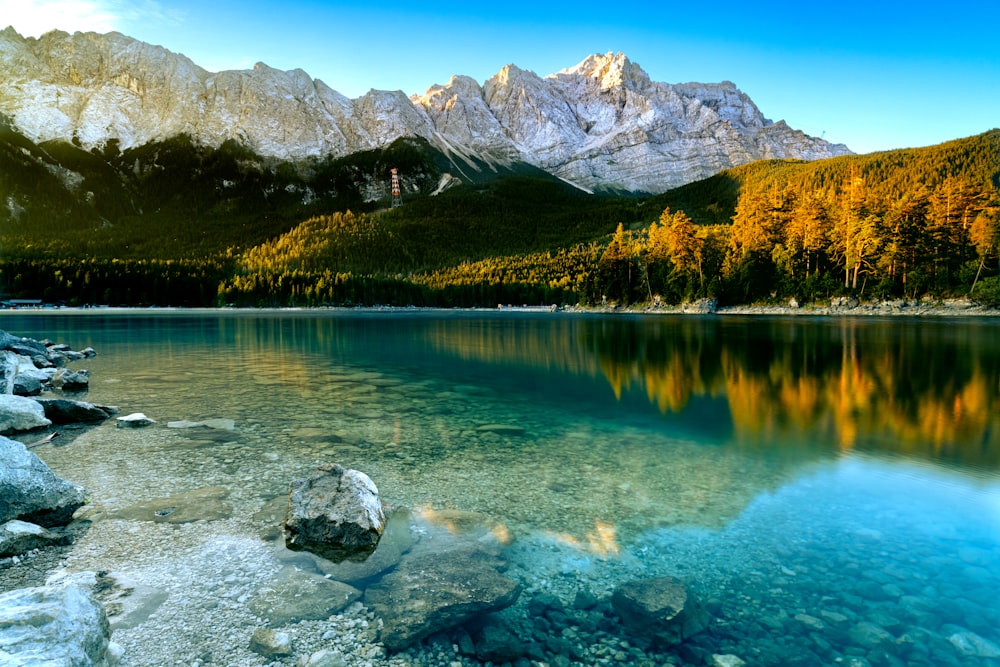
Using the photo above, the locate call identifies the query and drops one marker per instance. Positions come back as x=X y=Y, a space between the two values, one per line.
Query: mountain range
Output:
x=601 y=125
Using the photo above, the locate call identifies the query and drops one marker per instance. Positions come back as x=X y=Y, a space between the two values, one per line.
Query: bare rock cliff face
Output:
x=601 y=124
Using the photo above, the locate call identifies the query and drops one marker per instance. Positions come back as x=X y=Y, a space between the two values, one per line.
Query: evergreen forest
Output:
x=180 y=225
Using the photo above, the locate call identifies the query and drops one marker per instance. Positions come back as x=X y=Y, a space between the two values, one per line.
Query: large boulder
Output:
x=23 y=346
x=30 y=491
x=66 y=411
x=27 y=385
x=30 y=376
x=336 y=513
x=56 y=624
x=18 y=413
x=662 y=610
x=436 y=590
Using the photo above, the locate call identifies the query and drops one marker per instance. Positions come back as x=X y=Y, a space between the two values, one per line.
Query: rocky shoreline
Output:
x=836 y=307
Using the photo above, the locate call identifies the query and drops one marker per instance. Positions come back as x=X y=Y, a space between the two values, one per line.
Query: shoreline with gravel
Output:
x=836 y=307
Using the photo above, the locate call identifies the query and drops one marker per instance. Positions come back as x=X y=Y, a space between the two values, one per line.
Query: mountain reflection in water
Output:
x=921 y=388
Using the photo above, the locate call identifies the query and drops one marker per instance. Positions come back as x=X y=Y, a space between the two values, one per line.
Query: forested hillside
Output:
x=897 y=224
x=221 y=228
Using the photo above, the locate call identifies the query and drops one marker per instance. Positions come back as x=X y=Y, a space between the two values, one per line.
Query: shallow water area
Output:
x=828 y=488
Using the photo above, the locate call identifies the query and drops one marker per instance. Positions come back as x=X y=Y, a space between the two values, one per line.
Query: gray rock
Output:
x=326 y=658
x=27 y=385
x=701 y=307
x=66 y=411
x=27 y=369
x=30 y=491
x=971 y=645
x=870 y=636
x=18 y=413
x=18 y=537
x=726 y=660
x=68 y=380
x=8 y=371
x=301 y=596
x=585 y=600
x=496 y=643
x=42 y=361
x=811 y=622
x=438 y=590
x=662 y=609
x=135 y=420
x=57 y=624
x=336 y=513
x=834 y=617
x=270 y=643
x=23 y=346
x=67 y=356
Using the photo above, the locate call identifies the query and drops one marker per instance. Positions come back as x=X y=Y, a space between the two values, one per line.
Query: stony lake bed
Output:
x=819 y=515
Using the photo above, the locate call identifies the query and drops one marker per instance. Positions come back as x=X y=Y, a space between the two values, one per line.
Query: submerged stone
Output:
x=216 y=424
x=271 y=643
x=662 y=609
x=300 y=596
x=971 y=645
x=128 y=603
x=206 y=504
x=495 y=642
x=870 y=636
x=396 y=540
x=437 y=590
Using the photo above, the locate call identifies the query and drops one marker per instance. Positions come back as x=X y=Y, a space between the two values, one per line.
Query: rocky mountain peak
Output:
x=610 y=70
x=600 y=124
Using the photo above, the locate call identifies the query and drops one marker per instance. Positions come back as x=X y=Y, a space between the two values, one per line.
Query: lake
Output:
x=829 y=488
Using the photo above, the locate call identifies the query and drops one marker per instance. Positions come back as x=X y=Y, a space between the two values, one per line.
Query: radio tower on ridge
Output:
x=397 y=197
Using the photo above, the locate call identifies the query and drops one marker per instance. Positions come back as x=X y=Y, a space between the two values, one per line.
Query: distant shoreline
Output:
x=893 y=308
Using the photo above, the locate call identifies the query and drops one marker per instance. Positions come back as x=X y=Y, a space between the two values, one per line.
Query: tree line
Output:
x=786 y=241
x=898 y=224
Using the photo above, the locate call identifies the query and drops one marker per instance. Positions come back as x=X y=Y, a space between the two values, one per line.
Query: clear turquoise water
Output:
x=806 y=477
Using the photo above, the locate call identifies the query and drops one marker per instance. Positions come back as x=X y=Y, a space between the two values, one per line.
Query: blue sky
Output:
x=873 y=75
